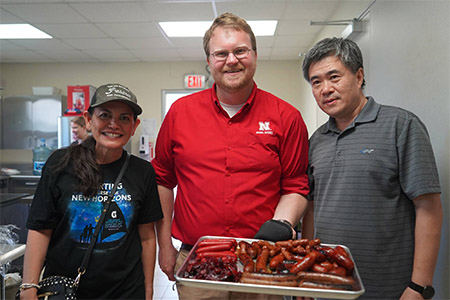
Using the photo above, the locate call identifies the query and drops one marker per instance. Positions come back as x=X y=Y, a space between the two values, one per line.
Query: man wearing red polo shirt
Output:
x=237 y=154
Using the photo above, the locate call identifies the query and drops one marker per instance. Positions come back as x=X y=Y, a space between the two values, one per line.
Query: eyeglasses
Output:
x=239 y=53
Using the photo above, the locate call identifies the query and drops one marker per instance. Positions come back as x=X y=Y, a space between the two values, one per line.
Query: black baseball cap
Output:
x=115 y=92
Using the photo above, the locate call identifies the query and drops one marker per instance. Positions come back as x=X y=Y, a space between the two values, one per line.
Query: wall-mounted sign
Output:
x=192 y=81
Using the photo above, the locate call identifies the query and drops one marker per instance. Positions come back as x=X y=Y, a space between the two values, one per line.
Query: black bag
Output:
x=58 y=288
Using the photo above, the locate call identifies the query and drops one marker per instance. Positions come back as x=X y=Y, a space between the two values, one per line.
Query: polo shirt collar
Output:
x=368 y=114
x=248 y=103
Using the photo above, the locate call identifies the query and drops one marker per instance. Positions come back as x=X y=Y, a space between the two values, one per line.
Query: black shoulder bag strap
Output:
x=87 y=255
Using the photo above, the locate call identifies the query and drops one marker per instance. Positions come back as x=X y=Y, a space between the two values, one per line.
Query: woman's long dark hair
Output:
x=85 y=167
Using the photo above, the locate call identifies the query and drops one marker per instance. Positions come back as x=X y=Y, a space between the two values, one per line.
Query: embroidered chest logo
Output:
x=264 y=128
x=366 y=151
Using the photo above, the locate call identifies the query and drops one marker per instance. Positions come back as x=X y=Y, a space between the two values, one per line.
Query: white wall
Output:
x=410 y=67
x=146 y=80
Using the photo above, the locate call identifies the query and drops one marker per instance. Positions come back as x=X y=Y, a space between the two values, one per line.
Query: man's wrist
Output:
x=286 y=222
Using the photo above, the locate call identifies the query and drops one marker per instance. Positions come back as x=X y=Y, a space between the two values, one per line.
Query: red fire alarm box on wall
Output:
x=78 y=98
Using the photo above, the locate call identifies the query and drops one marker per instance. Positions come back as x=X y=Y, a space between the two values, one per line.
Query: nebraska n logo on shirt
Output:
x=264 y=128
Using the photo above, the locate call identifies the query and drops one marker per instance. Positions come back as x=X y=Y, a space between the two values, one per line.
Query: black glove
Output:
x=274 y=230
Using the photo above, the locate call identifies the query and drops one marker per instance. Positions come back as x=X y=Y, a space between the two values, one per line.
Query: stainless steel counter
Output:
x=12 y=198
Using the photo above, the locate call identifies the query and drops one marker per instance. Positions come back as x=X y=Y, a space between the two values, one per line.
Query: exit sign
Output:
x=194 y=81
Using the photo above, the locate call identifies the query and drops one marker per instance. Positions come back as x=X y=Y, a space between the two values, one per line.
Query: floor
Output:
x=163 y=288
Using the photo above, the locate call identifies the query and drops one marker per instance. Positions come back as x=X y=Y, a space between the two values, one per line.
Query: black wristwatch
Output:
x=427 y=292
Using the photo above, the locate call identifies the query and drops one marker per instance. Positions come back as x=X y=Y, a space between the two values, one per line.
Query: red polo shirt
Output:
x=230 y=172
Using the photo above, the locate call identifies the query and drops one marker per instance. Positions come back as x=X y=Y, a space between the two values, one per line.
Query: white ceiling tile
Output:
x=309 y=9
x=8 y=18
x=106 y=55
x=121 y=30
x=293 y=40
x=253 y=9
x=143 y=43
x=42 y=44
x=84 y=44
x=72 y=30
x=112 y=12
x=69 y=56
x=293 y=27
x=177 y=11
x=264 y=41
x=155 y=52
x=7 y=45
x=189 y=42
x=149 y=29
x=45 y=13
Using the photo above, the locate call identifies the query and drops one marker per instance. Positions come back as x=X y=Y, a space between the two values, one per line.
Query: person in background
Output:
x=79 y=130
x=373 y=178
x=237 y=154
x=69 y=200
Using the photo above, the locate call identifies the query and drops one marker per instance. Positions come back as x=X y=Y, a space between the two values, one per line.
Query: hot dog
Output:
x=269 y=279
x=315 y=285
x=326 y=278
x=217 y=247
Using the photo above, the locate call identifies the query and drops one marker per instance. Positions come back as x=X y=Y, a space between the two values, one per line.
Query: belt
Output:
x=186 y=247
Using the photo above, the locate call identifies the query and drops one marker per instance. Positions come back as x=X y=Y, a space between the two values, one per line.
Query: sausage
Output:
x=319 y=256
x=300 y=242
x=314 y=285
x=269 y=279
x=285 y=244
x=217 y=247
x=261 y=261
x=263 y=243
x=319 y=268
x=287 y=254
x=341 y=250
x=254 y=250
x=344 y=261
x=314 y=242
x=274 y=251
x=304 y=264
x=273 y=277
x=276 y=261
x=341 y=271
x=326 y=278
x=326 y=264
x=247 y=261
x=291 y=283
x=243 y=245
x=299 y=250
x=207 y=242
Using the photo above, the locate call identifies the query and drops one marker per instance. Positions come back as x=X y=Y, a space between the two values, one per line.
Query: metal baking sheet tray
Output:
x=266 y=289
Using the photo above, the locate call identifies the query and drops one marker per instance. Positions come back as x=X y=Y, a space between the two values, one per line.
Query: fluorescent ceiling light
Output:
x=198 y=29
x=21 y=31
x=185 y=29
x=263 y=28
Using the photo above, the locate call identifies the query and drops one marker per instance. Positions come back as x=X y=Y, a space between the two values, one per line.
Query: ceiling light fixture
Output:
x=198 y=29
x=21 y=31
